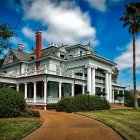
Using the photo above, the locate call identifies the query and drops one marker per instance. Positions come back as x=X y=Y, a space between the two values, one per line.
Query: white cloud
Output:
x=100 y=5
x=65 y=22
x=28 y=33
x=125 y=60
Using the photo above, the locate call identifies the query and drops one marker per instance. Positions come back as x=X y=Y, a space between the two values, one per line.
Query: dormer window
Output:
x=62 y=55
x=14 y=59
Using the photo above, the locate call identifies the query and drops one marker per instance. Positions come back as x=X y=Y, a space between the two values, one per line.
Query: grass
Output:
x=14 y=129
x=125 y=121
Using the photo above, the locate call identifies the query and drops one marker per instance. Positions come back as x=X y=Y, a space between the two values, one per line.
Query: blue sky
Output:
x=72 y=22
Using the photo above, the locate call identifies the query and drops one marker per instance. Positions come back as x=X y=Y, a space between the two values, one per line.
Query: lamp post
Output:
x=88 y=99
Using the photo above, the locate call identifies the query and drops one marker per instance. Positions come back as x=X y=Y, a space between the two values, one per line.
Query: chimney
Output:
x=20 y=47
x=38 y=43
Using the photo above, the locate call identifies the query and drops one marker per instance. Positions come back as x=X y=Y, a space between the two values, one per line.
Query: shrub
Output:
x=82 y=103
x=12 y=103
x=128 y=99
x=51 y=105
x=138 y=102
x=30 y=113
x=63 y=104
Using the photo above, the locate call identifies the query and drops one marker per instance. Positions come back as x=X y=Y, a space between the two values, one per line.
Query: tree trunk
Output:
x=135 y=106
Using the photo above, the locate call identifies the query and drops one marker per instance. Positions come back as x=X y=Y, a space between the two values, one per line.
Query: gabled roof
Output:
x=49 y=51
x=21 y=55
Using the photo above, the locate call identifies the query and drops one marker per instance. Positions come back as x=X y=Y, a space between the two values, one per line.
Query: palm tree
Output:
x=132 y=19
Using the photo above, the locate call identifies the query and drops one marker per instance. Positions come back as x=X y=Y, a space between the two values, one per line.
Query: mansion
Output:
x=46 y=74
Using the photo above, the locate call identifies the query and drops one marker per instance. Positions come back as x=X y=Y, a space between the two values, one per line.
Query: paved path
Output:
x=68 y=126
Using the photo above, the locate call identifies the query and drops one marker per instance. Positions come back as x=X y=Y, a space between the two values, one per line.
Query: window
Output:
x=14 y=59
x=81 y=53
x=62 y=56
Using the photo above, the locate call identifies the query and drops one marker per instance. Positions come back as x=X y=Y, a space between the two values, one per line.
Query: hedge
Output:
x=51 y=105
x=82 y=103
x=12 y=103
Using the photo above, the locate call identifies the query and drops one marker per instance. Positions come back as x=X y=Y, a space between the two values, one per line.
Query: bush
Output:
x=63 y=104
x=128 y=99
x=82 y=103
x=138 y=102
x=12 y=103
x=51 y=105
x=30 y=113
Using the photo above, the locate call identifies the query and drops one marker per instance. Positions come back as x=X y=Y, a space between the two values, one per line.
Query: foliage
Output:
x=14 y=129
x=51 y=105
x=30 y=113
x=82 y=103
x=6 y=32
x=115 y=74
x=125 y=121
x=128 y=99
x=100 y=93
x=12 y=103
x=132 y=19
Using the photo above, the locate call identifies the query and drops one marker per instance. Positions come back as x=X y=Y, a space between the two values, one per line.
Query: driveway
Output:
x=69 y=126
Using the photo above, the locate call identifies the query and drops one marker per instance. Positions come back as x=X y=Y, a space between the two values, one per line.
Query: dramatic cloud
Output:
x=100 y=5
x=65 y=22
x=28 y=33
x=125 y=60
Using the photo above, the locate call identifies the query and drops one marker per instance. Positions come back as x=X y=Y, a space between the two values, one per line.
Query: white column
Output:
x=34 y=92
x=45 y=91
x=113 y=95
x=93 y=81
x=60 y=84
x=83 y=89
x=89 y=79
x=25 y=90
x=101 y=89
x=17 y=87
x=110 y=87
x=123 y=97
x=46 y=68
x=72 y=89
x=107 y=85
x=118 y=91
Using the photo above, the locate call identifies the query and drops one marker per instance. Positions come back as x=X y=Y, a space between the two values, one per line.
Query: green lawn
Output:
x=125 y=121
x=14 y=129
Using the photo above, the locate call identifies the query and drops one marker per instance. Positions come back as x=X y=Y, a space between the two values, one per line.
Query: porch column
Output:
x=25 y=90
x=107 y=85
x=72 y=89
x=110 y=87
x=17 y=87
x=113 y=95
x=89 y=79
x=60 y=84
x=101 y=89
x=34 y=92
x=83 y=89
x=45 y=91
x=123 y=97
x=118 y=91
x=93 y=81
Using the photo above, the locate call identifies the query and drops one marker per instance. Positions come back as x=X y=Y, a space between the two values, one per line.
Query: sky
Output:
x=73 y=22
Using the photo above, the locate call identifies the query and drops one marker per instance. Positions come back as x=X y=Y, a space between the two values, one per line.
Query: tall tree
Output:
x=131 y=18
x=6 y=32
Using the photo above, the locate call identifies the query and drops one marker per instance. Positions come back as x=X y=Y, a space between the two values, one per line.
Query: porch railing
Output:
x=53 y=100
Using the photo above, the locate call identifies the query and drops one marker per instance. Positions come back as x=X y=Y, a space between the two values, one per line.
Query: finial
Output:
x=89 y=42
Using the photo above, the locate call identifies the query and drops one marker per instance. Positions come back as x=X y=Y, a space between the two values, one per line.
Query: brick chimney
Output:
x=20 y=47
x=38 y=43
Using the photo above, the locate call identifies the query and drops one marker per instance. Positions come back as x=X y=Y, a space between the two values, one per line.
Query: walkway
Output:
x=68 y=126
